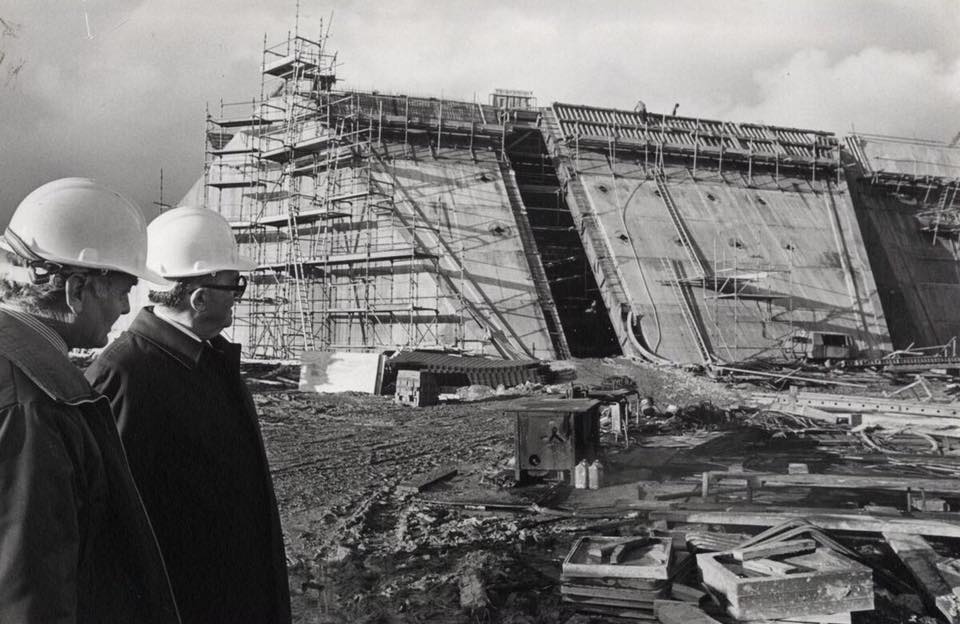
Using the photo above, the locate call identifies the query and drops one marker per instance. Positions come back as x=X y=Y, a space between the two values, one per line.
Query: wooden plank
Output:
x=679 y=591
x=621 y=552
x=790 y=547
x=635 y=595
x=835 y=618
x=635 y=605
x=618 y=612
x=768 y=567
x=612 y=552
x=836 y=481
x=673 y=613
x=920 y=559
x=858 y=523
x=420 y=483
x=647 y=585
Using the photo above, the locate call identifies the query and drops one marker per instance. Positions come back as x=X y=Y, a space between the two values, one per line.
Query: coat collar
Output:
x=39 y=360
x=177 y=344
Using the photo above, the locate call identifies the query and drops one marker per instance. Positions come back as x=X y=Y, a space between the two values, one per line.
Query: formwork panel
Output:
x=800 y=249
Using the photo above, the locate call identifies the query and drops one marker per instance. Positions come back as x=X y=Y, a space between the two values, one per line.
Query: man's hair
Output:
x=177 y=297
x=33 y=297
x=47 y=297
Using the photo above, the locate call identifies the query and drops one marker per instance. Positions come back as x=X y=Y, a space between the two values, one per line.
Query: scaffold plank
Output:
x=388 y=255
x=288 y=64
x=241 y=122
x=300 y=148
x=225 y=184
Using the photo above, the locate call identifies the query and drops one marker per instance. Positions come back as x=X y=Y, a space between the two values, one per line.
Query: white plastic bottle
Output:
x=595 y=475
x=580 y=475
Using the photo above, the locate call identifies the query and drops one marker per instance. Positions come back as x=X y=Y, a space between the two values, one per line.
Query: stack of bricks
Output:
x=416 y=388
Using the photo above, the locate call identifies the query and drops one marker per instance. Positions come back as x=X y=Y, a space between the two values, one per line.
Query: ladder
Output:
x=941 y=206
x=678 y=224
x=301 y=288
x=686 y=309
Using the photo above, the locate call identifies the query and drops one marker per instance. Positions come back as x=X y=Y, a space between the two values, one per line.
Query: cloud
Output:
x=131 y=100
x=909 y=94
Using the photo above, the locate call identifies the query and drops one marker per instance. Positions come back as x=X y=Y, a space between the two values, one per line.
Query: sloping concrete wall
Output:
x=460 y=205
x=803 y=247
x=450 y=203
x=918 y=280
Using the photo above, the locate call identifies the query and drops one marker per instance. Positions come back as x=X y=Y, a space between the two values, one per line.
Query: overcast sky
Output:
x=117 y=90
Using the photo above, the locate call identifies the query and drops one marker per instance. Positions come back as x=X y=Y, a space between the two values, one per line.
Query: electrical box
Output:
x=553 y=435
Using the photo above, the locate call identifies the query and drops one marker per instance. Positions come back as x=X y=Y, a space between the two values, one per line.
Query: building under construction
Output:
x=525 y=231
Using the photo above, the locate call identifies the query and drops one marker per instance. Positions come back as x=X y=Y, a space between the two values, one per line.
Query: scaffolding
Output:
x=925 y=173
x=338 y=266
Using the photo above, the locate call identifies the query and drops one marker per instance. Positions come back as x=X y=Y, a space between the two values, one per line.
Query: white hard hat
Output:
x=189 y=241
x=79 y=222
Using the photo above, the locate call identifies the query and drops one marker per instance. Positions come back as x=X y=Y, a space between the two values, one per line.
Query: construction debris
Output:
x=920 y=559
x=715 y=511
x=799 y=583
x=622 y=575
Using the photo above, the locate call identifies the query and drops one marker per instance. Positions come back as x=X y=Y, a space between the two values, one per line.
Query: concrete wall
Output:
x=918 y=280
x=460 y=206
x=803 y=246
x=449 y=203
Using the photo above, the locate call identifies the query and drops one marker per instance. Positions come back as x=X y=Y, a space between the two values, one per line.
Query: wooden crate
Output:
x=811 y=584
x=650 y=563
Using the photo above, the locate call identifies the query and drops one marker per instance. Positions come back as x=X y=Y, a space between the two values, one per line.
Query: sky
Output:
x=117 y=89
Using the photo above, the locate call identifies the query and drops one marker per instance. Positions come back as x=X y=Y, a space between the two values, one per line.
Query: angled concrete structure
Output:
x=387 y=221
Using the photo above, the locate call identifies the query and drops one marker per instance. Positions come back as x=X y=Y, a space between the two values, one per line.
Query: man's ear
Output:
x=73 y=292
x=198 y=300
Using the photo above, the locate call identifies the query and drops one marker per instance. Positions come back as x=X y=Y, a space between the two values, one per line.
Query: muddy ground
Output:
x=361 y=549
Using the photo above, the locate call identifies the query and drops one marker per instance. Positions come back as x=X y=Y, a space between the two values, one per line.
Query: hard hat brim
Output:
x=154 y=278
x=241 y=264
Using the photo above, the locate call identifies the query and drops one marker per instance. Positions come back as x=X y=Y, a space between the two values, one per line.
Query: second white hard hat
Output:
x=81 y=223
x=190 y=241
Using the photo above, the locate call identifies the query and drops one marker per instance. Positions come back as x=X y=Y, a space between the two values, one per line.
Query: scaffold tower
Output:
x=339 y=266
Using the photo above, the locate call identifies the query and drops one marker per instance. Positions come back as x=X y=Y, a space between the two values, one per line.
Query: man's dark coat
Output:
x=75 y=542
x=190 y=429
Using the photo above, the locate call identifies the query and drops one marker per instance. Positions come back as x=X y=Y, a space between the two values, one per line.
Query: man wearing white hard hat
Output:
x=75 y=541
x=191 y=432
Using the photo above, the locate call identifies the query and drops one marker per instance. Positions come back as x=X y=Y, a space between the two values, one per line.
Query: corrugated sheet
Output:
x=583 y=121
x=478 y=370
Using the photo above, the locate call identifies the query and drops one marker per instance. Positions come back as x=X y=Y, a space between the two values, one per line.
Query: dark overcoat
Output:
x=194 y=444
x=75 y=542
